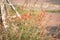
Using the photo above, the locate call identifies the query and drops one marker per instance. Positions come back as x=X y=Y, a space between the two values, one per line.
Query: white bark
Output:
x=3 y=11
x=3 y=15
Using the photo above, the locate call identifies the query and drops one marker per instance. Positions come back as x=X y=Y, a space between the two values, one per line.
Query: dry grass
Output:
x=32 y=25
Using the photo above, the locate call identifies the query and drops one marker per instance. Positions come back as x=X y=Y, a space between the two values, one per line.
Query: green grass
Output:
x=53 y=11
x=22 y=32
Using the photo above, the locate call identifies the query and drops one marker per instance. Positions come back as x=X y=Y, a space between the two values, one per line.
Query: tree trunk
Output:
x=2 y=28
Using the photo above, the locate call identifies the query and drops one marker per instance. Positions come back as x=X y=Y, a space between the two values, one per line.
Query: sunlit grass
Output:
x=31 y=25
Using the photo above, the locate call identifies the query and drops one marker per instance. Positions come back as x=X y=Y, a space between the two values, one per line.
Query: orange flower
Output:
x=29 y=16
x=26 y=16
x=41 y=14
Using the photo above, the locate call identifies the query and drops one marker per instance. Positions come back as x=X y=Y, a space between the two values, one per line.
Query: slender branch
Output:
x=17 y=14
